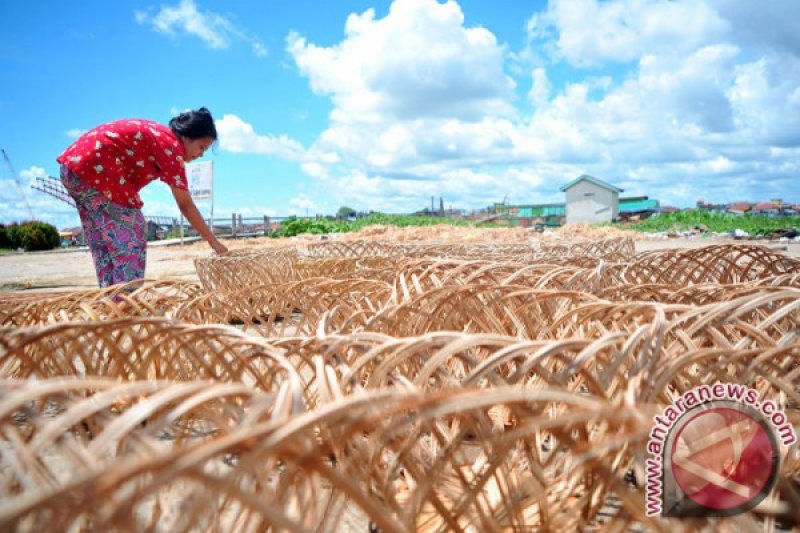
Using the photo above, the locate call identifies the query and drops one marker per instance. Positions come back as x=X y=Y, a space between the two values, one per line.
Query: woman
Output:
x=105 y=169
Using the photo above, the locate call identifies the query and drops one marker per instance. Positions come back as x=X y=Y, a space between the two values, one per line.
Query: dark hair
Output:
x=194 y=124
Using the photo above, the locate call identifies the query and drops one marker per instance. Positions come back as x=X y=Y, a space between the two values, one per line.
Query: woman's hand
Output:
x=219 y=248
x=189 y=210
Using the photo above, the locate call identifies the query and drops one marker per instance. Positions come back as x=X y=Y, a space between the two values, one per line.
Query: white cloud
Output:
x=765 y=97
x=259 y=49
x=74 y=133
x=16 y=197
x=460 y=188
x=303 y=203
x=419 y=61
x=216 y=30
x=158 y=208
x=235 y=135
x=676 y=103
x=589 y=32
x=414 y=88
x=256 y=211
x=540 y=88
x=29 y=175
x=685 y=110
x=770 y=25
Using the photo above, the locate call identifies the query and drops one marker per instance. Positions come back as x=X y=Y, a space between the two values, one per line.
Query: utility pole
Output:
x=18 y=182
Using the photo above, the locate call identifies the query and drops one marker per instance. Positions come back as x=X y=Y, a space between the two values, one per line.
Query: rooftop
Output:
x=591 y=179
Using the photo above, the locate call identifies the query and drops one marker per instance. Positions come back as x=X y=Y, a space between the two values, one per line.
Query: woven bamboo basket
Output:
x=231 y=273
x=147 y=348
x=614 y=249
x=139 y=298
x=721 y=263
x=339 y=249
x=401 y=461
x=290 y=309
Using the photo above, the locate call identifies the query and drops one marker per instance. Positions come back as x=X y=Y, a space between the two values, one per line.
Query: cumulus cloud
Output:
x=303 y=202
x=417 y=95
x=769 y=26
x=672 y=99
x=589 y=33
x=15 y=197
x=216 y=30
x=74 y=133
x=29 y=175
x=419 y=61
x=235 y=135
x=540 y=87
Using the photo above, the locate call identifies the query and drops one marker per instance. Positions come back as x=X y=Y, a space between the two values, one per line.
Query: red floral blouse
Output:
x=121 y=157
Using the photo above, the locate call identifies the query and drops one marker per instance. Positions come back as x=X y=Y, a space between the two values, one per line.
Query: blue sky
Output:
x=381 y=105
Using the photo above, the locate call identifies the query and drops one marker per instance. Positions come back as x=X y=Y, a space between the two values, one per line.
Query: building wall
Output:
x=586 y=202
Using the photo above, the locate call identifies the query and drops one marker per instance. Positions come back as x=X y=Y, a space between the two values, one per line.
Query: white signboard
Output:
x=201 y=179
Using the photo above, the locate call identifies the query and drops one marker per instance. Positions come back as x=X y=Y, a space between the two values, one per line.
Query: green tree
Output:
x=39 y=236
x=345 y=212
x=14 y=234
x=30 y=236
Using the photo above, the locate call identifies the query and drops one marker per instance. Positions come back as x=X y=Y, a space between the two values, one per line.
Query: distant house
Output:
x=739 y=208
x=591 y=200
x=709 y=206
x=72 y=236
x=766 y=208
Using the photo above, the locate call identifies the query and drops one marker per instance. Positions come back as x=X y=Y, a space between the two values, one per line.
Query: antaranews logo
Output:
x=714 y=452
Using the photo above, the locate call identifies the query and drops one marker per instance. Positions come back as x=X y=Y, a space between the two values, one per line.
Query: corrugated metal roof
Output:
x=592 y=179
x=637 y=204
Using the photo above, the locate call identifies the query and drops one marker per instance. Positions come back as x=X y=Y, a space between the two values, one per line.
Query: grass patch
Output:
x=714 y=221
x=295 y=226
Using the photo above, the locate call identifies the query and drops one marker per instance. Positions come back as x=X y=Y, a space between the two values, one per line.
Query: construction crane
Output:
x=18 y=182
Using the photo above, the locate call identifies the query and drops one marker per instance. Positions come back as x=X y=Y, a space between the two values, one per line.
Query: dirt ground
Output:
x=67 y=269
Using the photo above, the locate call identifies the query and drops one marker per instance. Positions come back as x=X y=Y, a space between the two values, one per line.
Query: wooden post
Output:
x=174 y=227
x=241 y=225
x=233 y=225
x=266 y=225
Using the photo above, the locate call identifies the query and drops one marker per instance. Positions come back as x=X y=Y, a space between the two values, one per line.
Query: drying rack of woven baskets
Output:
x=392 y=386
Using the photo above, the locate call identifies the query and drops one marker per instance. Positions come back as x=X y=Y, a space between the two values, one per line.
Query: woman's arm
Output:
x=189 y=210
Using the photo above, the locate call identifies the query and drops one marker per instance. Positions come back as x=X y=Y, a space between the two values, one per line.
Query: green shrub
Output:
x=294 y=226
x=14 y=234
x=40 y=236
x=715 y=221
x=30 y=236
x=405 y=221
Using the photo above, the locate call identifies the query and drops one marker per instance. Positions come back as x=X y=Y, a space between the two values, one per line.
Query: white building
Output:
x=591 y=200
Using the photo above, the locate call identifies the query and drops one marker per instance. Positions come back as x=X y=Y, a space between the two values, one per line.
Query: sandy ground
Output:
x=65 y=269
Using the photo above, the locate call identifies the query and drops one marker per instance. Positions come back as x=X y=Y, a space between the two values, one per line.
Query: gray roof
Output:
x=591 y=179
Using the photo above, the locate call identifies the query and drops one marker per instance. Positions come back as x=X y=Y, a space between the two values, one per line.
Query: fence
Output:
x=236 y=225
x=161 y=227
